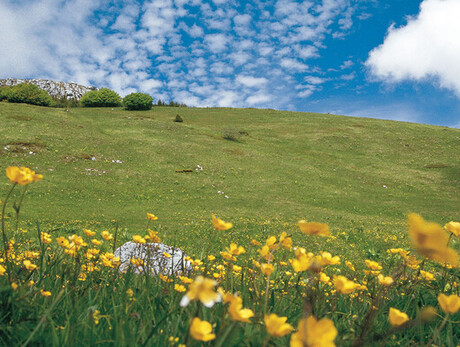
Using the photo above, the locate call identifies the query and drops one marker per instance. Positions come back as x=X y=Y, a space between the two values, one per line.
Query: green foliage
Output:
x=5 y=92
x=138 y=101
x=27 y=94
x=63 y=102
x=103 y=97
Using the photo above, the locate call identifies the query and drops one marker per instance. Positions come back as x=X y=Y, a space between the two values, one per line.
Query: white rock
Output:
x=155 y=261
x=56 y=89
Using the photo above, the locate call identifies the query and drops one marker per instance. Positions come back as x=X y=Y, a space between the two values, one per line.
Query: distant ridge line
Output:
x=68 y=90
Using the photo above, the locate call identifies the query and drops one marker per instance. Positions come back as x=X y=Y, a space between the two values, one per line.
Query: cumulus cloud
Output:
x=426 y=47
x=250 y=81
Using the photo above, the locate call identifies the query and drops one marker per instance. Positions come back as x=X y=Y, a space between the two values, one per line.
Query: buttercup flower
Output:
x=201 y=289
x=235 y=250
x=29 y=266
x=449 y=304
x=397 y=318
x=236 y=310
x=219 y=224
x=201 y=330
x=106 y=235
x=89 y=232
x=138 y=239
x=314 y=333
x=285 y=241
x=313 y=228
x=266 y=269
x=430 y=240
x=179 y=288
x=344 y=286
x=22 y=175
x=350 y=265
x=453 y=227
x=385 y=281
x=45 y=237
x=2 y=270
x=45 y=293
x=151 y=217
x=277 y=326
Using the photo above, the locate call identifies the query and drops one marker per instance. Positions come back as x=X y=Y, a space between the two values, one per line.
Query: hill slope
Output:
x=359 y=175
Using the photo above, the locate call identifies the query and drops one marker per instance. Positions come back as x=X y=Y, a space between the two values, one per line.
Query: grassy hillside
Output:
x=358 y=175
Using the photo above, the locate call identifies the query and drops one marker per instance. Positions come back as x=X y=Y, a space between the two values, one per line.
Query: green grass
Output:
x=359 y=175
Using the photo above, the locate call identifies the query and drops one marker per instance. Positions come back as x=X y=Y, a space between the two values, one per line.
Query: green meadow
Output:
x=104 y=169
x=361 y=176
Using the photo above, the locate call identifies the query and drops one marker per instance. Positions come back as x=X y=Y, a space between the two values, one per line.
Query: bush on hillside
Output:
x=138 y=101
x=5 y=92
x=103 y=97
x=27 y=94
x=63 y=102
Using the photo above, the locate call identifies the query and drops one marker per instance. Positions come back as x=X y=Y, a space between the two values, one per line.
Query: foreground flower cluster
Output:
x=263 y=292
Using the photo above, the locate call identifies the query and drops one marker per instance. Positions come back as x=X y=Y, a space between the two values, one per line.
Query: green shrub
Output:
x=5 y=92
x=28 y=94
x=63 y=102
x=138 y=101
x=103 y=97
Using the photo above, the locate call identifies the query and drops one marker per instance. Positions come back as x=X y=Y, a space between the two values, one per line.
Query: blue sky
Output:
x=387 y=59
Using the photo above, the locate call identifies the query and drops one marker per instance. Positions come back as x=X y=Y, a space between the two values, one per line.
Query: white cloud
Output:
x=258 y=99
x=216 y=42
x=250 y=81
x=242 y=20
x=293 y=64
x=426 y=47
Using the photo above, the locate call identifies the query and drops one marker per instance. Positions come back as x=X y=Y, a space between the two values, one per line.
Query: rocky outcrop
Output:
x=58 y=90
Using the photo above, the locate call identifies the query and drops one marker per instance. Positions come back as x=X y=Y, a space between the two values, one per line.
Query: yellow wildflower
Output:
x=2 y=270
x=449 y=304
x=430 y=240
x=285 y=241
x=165 y=278
x=14 y=286
x=151 y=217
x=136 y=261
x=397 y=318
x=152 y=236
x=96 y=242
x=45 y=237
x=29 y=266
x=271 y=243
x=324 y=278
x=201 y=289
x=78 y=241
x=185 y=280
x=303 y=261
x=314 y=333
x=235 y=250
x=255 y=242
x=236 y=310
x=22 y=175
x=453 y=227
x=89 y=232
x=313 y=228
x=211 y=257
x=344 y=285
x=45 y=293
x=427 y=275
x=276 y=326
x=130 y=293
x=326 y=258
x=96 y=316
x=167 y=255
x=179 y=288
x=138 y=239
x=385 y=281
x=265 y=253
x=266 y=269
x=106 y=235
x=350 y=265
x=373 y=265
x=227 y=256
x=201 y=330
x=63 y=242
x=219 y=224
x=237 y=268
